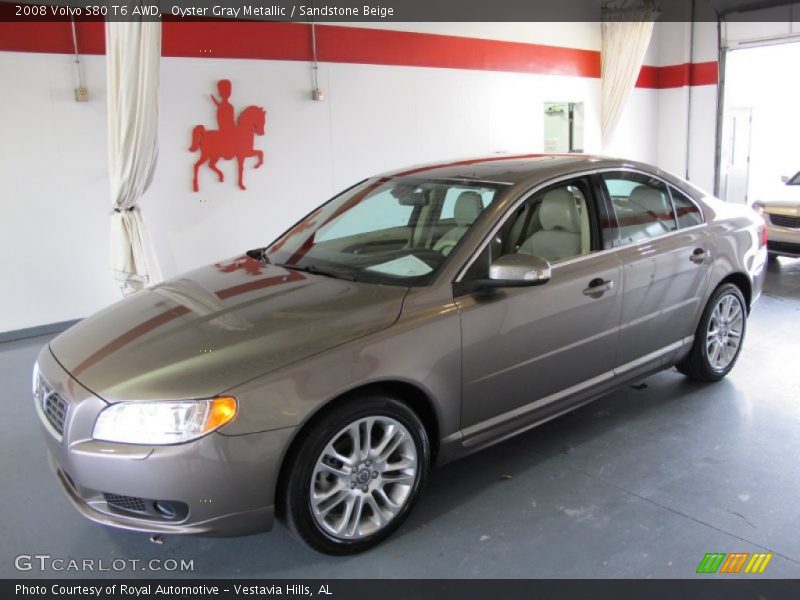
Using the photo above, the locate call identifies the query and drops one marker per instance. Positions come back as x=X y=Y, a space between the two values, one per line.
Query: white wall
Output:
x=375 y=118
x=687 y=115
x=54 y=219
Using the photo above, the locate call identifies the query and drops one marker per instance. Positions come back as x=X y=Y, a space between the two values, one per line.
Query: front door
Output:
x=527 y=348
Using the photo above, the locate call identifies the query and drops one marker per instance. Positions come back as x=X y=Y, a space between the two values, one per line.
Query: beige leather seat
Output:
x=468 y=206
x=560 y=235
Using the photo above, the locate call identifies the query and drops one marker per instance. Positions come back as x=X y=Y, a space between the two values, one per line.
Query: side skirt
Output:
x=502 y=427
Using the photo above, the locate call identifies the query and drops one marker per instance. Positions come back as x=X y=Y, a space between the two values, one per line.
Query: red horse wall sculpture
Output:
x=233 y=139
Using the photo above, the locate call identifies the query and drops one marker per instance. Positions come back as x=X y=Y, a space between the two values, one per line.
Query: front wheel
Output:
x=719 y=336
x=357 y=475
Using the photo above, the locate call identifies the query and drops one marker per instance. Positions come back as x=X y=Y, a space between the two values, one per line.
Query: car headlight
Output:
x=36 y=382
x=163 y=422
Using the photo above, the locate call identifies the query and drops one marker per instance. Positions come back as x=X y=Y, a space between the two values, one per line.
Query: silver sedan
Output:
x=416 y=317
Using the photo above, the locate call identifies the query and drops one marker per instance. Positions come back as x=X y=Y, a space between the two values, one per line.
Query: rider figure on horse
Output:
x=225 y=115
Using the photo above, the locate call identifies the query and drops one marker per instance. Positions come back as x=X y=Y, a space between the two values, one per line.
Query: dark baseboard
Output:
x=31 y=332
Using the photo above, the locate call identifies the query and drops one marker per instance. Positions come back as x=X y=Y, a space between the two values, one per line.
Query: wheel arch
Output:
x=744 y=284
x=412 y=395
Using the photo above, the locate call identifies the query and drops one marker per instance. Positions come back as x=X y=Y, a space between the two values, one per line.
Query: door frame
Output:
x=723 y=48
x=728 y=117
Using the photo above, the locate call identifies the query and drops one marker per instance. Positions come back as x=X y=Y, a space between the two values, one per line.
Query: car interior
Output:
x=553 y=226
x=643 y=208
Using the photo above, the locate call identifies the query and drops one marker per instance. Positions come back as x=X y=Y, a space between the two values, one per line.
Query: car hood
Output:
x=214 y=328
x=785 y=196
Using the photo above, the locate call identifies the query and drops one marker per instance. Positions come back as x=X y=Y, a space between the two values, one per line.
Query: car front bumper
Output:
x=218 y=485
x=783 y=240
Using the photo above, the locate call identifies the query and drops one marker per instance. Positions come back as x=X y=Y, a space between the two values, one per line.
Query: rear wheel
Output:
x=719 y=336
x=357 y=475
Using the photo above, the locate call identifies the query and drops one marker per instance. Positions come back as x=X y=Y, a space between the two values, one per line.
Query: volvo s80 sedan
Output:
x=416 y=317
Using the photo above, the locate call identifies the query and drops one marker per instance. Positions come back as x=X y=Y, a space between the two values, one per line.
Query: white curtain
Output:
x=624 y=44
x=133 y=50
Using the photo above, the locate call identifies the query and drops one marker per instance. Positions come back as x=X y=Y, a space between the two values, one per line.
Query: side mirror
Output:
x=518 y=270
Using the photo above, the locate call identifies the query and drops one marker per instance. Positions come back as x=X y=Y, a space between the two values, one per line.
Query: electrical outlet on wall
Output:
x=81 y=94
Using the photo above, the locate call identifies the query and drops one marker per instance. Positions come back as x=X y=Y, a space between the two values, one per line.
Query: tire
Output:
x=700 y=364
x=312 y=506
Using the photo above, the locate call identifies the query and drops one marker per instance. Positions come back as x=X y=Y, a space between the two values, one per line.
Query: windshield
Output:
x=794 y=180
x=390 y=230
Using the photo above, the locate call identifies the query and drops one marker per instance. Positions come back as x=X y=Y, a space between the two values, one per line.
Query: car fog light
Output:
x=165 y=509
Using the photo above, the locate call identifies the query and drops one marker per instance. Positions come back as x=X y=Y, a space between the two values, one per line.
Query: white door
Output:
x=735 y=155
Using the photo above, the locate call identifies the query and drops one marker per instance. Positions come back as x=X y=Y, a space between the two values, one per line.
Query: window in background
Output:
x=563 y=127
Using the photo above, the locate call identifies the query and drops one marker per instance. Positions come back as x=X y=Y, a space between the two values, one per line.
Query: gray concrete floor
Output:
x=641 y=483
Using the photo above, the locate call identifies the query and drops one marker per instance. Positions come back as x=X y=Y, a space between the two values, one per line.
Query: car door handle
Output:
x=699 y=255
x=597 y=287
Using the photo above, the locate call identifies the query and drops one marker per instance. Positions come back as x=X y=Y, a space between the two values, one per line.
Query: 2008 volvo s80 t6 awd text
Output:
x=414 y=318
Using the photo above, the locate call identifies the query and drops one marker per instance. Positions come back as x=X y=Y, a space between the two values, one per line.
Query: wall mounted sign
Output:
x=232 y=138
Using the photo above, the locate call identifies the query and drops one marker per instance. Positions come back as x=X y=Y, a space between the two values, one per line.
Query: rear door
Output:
x=666 y=253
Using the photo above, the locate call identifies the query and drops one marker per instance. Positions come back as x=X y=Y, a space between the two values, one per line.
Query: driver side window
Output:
x=554 y=225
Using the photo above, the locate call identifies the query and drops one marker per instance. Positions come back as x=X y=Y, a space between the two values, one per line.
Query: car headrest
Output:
x=468 y=206
x=648 y=198
x=559 y=211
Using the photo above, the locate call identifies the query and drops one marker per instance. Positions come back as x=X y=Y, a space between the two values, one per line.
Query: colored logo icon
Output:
x=733 y=563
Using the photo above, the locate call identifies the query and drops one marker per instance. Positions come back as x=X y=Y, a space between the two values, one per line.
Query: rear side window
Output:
x=642 y=205
x=687 y=212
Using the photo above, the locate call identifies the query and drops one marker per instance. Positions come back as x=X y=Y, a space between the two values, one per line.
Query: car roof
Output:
x=514 y=168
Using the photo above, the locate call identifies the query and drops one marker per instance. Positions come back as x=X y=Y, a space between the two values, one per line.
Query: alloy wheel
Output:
x=363 y=478
x=724 y=333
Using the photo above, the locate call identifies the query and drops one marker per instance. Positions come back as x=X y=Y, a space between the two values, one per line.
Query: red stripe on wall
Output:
x=674 y=76
x=50 y=36
x=385 y=47
x=336 y=44
x=237 y=39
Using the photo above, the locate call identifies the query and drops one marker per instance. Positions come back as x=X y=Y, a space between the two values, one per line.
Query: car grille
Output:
x=129 y=503
x=785 y=221
x=55 y=409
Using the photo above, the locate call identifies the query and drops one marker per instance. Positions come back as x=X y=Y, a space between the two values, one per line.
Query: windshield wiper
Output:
x=317 y=271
